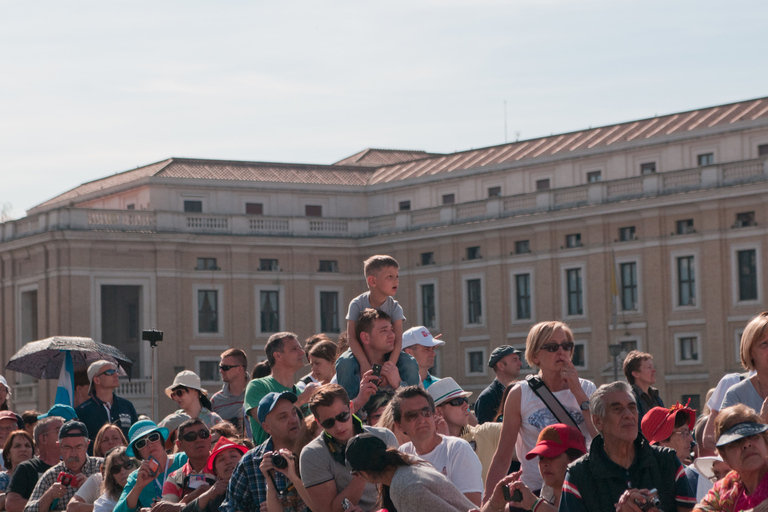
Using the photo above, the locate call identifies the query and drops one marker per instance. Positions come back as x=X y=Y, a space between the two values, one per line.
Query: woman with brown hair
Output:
x=18 y=447
x=641 y=373
x=117 y=467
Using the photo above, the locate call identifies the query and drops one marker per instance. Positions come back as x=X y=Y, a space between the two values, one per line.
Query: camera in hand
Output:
x=651 y=501
x=279 y=461
x=516 y=496
x=67 y=479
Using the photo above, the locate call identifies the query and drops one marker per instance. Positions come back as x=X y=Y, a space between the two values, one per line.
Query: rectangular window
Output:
x=404 y=206
x=476 y=361
x=705 y=159
x=689 y=348
x=594 y=176
x=542 y=184
x=628 y=346
x=209 y=370
x=494 y=192
x=270 y=310
x=685 y=227
x=628 y=273
x=745 y=219
x=573 y=240
x=575 y=291
x=579 y=358
x=28 y=319
x=627 y=234
x=523 y=296
x=254 y=209
x=313 y=210
x=193 y=206
x=695 y=401
x=207 y=311
x=206 y=264
x=762 y=150
x=648 y=168
x=428 y=305
x=474 y=302
x=427 y=258
x=268 y=265
x=473 y=253
x=747 y=269
x=449 y=198
x=686 y=281
x=522 y=247
x=329 y=312
x=131 y=206
x=328 y=266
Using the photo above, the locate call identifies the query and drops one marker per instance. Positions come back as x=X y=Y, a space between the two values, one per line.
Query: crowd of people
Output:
x=369 y=428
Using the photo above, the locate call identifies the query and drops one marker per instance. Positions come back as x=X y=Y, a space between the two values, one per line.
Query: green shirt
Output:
x=254 y=392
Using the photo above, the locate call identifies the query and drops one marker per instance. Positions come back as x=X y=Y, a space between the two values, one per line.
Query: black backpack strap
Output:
x=553 y=404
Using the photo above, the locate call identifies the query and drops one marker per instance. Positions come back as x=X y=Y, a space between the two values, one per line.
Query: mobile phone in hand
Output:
x=154 y=465
x=377 y=370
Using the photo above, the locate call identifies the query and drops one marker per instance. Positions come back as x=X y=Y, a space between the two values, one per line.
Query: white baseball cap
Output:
x=420 y=336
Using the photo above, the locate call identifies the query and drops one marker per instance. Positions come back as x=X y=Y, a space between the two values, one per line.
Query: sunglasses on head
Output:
x=151 y=438
x=227 y=367
x=179 y=392
x=413 y=415
x=109 y=372
x=192 y=436
x=330 y=422
x=458 y=402
x=127 y=465
x=554 y=347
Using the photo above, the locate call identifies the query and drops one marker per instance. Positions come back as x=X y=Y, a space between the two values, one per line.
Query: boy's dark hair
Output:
x=366 y=319
x=324 y=350
x=314 y=340
x=238 y=354
x=326 y=395
x=373 y=265
x=404 y=394
x=343 y=343
x=275 y=344
x=261 y=369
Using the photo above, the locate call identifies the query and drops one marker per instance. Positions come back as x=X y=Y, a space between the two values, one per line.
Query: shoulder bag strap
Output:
x=553 y=404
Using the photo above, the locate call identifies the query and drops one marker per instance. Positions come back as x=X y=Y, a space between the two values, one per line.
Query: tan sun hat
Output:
x=188 y=379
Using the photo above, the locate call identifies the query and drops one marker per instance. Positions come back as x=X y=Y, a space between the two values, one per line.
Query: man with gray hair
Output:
x=621 y=471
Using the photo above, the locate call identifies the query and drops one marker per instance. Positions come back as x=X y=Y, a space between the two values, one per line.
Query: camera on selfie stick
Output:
x=153 y=336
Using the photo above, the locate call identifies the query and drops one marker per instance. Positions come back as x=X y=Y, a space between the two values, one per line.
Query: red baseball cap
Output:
x=659 y=423
x=555 y=439
x=221 y=445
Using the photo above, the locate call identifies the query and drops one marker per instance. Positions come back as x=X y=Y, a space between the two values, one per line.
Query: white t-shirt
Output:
x=456 y=459
x=535 y=416
x=91 y=488
x=104 y=504
x=727 y=382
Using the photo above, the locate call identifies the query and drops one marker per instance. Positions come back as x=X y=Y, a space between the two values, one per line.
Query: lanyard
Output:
x=165 y=475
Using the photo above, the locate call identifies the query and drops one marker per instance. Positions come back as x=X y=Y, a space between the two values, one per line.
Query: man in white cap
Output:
x=104 y=406
x=419 y=343
x=451 y=405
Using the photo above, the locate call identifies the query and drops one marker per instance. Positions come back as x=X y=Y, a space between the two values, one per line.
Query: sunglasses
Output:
x=109 y=372
x=458 y=402
x=179 y=392
x=151 y=438
x=554 y=347
x=330 y=422
x=192 y=436
x=227 y=367
x=127 y=465
x=413 y=415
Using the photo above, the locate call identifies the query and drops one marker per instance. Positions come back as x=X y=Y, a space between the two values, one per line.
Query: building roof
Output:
x=374 y=166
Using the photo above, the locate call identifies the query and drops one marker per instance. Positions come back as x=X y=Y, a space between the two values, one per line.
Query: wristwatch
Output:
x=584 y=405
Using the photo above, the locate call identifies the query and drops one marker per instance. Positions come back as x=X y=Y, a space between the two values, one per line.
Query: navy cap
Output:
x=270 y=400
x=501 y=352
x=740 y=431
x=73 y=428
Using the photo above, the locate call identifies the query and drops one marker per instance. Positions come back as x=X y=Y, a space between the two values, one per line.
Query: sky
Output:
x=91 y=88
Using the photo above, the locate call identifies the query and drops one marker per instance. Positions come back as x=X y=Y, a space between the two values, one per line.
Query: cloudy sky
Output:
x=88 y=89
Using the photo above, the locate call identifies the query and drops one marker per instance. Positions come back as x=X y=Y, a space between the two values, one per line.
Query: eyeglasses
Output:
x=192 y=436
x=227 y=367
x=684 y=433
x=554 y=347
x=330 y=422
x=179 y=392
x=109 y=372
x=127 y=465
x=151 y=438
x=413 y=415
x=458 y=402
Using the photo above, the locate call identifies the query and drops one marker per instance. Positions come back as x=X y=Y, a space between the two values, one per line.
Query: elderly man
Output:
x=247 y=489
x=506 y=362
x=228 y=402
x=57 y=485
x=621 y=468
x=419 y=343
x=104 y=406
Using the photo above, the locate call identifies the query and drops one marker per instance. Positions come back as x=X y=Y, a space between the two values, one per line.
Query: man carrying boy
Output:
x=381 y=275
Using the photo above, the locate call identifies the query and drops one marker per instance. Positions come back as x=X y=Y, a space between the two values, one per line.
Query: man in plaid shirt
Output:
x=247 y=489
x=49 y=493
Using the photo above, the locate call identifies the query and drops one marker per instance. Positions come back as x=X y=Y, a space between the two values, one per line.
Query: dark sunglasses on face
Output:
x=554 y=347
x=458 y=402
x=127 y=465
x=413 y=415
x=330 y=422
x=179 y=392
x=151 y=438
x=109 y=372
x=227 y=367
x=192 y=436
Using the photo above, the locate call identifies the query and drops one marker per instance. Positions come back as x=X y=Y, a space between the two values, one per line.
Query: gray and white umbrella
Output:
x=43 y=359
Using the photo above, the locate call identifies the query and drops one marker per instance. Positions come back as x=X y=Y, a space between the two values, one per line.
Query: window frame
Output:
x=419 y=308
x=483 y=359
x=643 y=166
x=185 y=200
x=473 y=253
x=307 y=213
x=514 y=296
x=341 y=313
x=220 y=313
x=585 y=344
x=735 y=249
x=598 y=173
x=676 y=306
x=431 y=260
x=465 y=301
x=402 y=203
x=638 y=282
x=280 y=289
x=705 y=159
x=631 y=230
x=208 y=359
x=445 y=196
x=679 y=336
x=576 y=238
x=495 y=188
x=247 y=203
x=527 y=243
x=581 y=266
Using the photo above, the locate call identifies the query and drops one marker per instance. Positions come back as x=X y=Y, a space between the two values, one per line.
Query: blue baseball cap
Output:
x=143 y=428
x=270 y=400
x=60 y=410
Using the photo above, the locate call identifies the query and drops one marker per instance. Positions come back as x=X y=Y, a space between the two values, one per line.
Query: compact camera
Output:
x=67 y=479
x=651 y=501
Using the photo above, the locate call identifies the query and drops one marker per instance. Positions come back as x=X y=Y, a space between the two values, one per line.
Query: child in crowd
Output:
x=381 y=275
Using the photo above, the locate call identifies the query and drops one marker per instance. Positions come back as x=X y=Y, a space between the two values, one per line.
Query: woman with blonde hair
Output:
x=108 y=437
x=549 y=347
x=753 y=349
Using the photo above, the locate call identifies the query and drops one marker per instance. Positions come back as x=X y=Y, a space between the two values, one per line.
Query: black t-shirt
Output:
x=26 y=475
